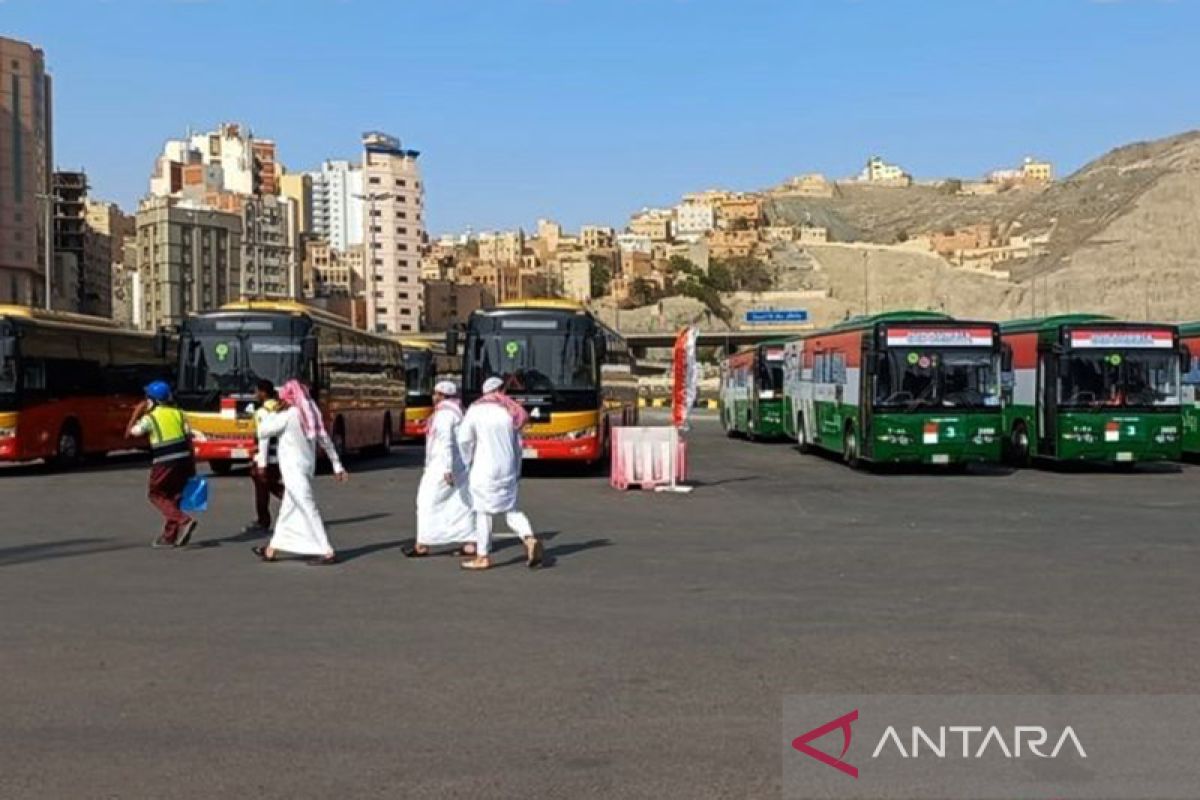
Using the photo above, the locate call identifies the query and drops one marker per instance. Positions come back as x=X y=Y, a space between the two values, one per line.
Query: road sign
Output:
x=762 y=316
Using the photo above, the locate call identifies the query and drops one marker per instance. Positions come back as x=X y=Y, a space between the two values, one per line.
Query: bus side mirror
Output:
x=309 y=348
x=601 y=349
x=452 y=342
x=1006 y=358
x=1185 y=358
x=161 y=344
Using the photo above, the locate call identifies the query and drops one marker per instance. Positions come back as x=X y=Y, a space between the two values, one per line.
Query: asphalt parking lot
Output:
x=650 y=659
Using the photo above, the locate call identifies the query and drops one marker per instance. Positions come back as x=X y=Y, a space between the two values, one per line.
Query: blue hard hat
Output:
x=158 y=390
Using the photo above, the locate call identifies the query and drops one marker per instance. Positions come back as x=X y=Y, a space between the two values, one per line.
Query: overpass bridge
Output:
x=729 y=341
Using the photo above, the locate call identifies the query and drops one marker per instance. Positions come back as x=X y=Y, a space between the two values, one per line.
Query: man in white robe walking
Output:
x=490 y=440
x=443 y=503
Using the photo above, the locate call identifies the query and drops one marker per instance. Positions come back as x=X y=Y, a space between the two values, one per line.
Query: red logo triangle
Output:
x=843 y=723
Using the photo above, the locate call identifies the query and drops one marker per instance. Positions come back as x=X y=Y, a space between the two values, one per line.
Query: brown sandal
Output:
x=477 y=564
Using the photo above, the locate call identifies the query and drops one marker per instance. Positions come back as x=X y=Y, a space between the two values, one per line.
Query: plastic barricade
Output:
x=647 y=457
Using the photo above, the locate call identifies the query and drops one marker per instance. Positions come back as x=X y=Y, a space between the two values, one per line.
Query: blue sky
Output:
x=586 y=110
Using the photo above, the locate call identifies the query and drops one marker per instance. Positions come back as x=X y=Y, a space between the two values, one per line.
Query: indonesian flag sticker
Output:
x=931 y=433
x=1112 y=431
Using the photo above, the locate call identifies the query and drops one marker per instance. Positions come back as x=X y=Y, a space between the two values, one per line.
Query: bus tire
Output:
x=385 y=439
x=220 y=466
x=729 y=429
x=1018 y=445
x=751 y=435
x=850 y=451
x=68 y=451
x=339 y=437
x=802 y=443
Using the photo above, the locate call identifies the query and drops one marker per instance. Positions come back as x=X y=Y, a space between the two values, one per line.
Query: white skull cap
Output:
x=492 y=385
x=446 y=388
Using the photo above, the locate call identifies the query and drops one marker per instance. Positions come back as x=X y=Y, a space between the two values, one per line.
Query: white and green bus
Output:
x=905 y=386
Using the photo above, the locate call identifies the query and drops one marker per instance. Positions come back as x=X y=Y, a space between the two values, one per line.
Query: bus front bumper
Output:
x=415 y=427
x=583 y=448
x=223 y=449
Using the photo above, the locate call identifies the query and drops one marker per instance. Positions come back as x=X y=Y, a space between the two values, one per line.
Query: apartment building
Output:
x=501 y=247
x=656 y=223
x=878 y=171
x=739 y=211
x=394 y=232
x=188 y=259
x=449 y=304
x=694 y=219
x=26 y=164
x=597 y=237
x=337 y=206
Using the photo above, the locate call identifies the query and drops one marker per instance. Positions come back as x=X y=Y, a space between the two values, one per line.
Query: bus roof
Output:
x=1051 y=323
x=294 y=309
x=865 y=321
x=1189 y=328
x=41 y=315
x=548 y=303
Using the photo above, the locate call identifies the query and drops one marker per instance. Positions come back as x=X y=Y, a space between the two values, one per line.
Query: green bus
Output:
x=901 y=387
x=752 y=392
x=1086 y=387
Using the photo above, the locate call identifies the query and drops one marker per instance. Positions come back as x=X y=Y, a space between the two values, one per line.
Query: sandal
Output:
x=323 y=561
x=463 y=552
x=261 y=552
x=535 y=554
x=477 y=564
x=414 y=551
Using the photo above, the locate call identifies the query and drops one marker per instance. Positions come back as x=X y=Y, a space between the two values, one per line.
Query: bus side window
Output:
x=1192 y=376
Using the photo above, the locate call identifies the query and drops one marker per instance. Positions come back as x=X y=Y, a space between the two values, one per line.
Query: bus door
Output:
x=866 y=397
x=1047 y=401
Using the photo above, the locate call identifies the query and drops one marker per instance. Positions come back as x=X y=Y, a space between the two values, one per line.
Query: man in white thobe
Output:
x=490 y=440
x=443 y=503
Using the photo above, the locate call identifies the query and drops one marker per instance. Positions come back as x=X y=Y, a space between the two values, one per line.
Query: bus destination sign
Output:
x=1162 y=338
x=939 y=337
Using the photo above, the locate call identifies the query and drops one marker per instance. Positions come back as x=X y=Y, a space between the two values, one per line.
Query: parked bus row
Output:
x=923 y=387
x=68 y=382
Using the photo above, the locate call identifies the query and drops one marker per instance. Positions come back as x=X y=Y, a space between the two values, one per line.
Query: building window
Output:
x=373 y=179
x=400 y=182
x=402 y=231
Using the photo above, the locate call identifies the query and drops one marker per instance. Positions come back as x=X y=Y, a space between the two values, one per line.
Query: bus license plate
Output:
x=239 y=452
x=940 y=458
x=1124 y=456
x=528 y=452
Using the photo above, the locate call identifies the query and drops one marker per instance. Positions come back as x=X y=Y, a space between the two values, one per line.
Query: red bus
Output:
x=69 y=382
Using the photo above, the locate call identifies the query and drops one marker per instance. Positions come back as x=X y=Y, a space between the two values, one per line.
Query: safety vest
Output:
x=169 y=438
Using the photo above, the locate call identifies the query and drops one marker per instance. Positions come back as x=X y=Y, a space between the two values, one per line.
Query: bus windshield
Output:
x=770 y=369
x=418 y=372
x=1126 y=379
x=229 y=360
x=909 y=379
x=532 y=362
x=8 y=366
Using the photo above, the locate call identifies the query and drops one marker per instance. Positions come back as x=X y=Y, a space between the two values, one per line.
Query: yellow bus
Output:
x=572 y=373
x=420 y=373
x=357 y=377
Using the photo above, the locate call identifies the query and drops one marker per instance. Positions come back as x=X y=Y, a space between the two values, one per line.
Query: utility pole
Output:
x=49 y=198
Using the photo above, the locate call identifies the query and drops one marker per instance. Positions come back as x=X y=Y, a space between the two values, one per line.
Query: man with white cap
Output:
x=490 y=439
x=443 y=503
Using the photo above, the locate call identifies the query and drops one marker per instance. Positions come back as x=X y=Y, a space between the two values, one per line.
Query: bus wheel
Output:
x=750 y=433
x=69 y=451
x=385 y=441
x=1018 y=445
x=339 y=438
x=729 y=431
x=850 y=452
x=220 y=466
x=802 y=443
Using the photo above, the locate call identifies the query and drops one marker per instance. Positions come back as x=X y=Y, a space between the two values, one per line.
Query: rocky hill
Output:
x=1122 y=236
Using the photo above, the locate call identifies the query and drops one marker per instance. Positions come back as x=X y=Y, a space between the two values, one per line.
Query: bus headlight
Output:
x=8 y=433
x=582 y=433
x=199 y=436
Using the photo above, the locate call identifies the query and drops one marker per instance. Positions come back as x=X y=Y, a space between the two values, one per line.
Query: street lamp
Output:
x=371 y=198
x=49 y=199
